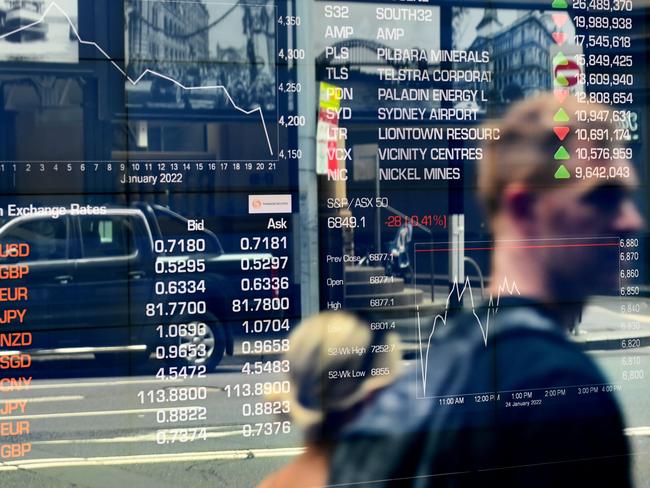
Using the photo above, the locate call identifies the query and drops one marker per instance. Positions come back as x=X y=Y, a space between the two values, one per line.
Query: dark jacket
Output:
x=529 y=408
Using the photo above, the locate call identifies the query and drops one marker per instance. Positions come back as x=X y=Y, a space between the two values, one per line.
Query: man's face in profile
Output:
x=579 y=212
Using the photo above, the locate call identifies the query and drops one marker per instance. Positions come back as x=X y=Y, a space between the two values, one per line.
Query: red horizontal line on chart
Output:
x=536 y=246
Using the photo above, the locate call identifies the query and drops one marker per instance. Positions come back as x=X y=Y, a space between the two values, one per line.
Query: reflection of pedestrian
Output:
x=399 y=263
x=506 y=398
x=334 y=373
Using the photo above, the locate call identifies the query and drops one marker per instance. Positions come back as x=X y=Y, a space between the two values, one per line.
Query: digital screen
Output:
x=300 y=243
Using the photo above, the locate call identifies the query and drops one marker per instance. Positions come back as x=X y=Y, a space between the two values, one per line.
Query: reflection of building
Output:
x=519 y=55
x=168 y=31
x=259 y=28
x=21 y=14
x=230 y=54
x=361 y=65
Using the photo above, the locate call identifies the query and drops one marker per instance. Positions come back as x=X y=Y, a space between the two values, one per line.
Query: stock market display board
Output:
x=310 y=242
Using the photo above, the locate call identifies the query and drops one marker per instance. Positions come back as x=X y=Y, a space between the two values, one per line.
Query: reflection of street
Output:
x=604 y=325
x=93 y=428
x=635 y=403
x=93 y=432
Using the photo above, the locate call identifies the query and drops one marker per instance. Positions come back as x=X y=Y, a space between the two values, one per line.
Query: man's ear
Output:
x=518 y=202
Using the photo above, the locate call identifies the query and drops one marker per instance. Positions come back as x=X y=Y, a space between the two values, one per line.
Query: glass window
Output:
x=107 y=236
x=47 y=238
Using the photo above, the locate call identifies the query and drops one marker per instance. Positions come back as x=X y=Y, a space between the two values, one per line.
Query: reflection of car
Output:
x=165 y=91
x=96 y=284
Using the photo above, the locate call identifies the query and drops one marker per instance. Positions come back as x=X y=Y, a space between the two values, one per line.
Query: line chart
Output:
x=145 y=72
x=484 y=325
x=477 y=257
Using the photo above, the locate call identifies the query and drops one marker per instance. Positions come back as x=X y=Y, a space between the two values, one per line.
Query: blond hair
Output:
x=324 y=345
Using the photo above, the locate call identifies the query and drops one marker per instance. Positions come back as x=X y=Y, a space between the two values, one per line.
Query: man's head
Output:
x=527 y=203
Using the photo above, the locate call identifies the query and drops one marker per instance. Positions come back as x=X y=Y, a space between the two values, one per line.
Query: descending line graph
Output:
x=484 y=324
x=146 y=72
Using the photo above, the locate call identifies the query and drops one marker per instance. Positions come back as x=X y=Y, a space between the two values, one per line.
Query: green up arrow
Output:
x=562 y=173
x=560 y=59
x=561 y=116
x=562 y=154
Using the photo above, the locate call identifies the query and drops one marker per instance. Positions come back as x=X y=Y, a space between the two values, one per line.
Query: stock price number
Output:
x=181 y=287
x=604 y=153
x=599 y=134
x=274 y=283
x=638 y=373
x=627 y=243
x=633 y=374
x=603 y=5
x=262 y=367
x=266 y=428
x=179 y=266
x=605 y=97
x=291 y=54
x=616 y=116
x=629 y=274
x=166 y=331
x=630 y=291
x=273 y=243
x=289 y=87
x=181 y=436
x=346 y=222
x=266 y=408
x=633 y=343
x=292 y=121
x=289 y=20
x=260 y=304
x=603 y=41
x=265 y=346
x=189 y=245
x=602 y=172
x=602 y=22
x=174 y=308
x=606 y=79
x=173 y=395
x=175 y=373
x=265 y=325
x=245 y=390
x=605 y=60
x=290 y=154
x=629 y=256
x=181 y=415
x=181 y=351
x=265 y=264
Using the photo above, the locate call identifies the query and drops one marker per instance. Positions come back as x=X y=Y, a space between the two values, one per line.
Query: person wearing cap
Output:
x=334 y=375
x=503 y=396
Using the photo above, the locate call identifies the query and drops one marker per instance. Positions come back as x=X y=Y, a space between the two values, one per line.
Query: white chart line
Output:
x=146 y=71
x=492 y=308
